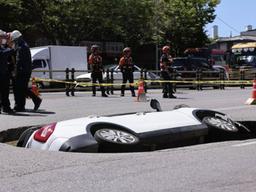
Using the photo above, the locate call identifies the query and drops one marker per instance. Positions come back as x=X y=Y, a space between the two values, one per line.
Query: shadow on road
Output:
x=31 y=112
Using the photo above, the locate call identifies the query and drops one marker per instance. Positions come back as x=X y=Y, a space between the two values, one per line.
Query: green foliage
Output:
x=134 y=22
x=185 y=21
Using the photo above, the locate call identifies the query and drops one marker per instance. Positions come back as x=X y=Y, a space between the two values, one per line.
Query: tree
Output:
x=67 y=22
x=185 y=21
x=9 y=9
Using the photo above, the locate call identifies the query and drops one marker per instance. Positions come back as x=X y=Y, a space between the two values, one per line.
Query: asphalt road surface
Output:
x=225 y=166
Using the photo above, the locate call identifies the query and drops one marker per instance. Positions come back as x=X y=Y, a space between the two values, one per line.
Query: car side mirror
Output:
x=154 y=104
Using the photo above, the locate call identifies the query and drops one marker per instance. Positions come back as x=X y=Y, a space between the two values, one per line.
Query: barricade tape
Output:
x=197 y=82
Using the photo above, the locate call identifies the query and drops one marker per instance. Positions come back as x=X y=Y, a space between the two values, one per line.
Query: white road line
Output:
x=244 y=144
x=233 y=108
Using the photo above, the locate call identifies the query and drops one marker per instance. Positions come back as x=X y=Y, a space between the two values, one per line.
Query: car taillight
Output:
x=44 y=132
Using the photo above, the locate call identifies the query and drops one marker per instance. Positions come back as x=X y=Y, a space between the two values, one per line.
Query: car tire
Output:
x=220 y=124
x=115 y=136
x=220 y=129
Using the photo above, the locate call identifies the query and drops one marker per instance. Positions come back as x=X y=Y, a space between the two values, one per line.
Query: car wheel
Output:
x=222 y=124
x=115 y=136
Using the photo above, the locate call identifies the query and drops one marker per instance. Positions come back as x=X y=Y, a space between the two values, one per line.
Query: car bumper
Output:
x=81 y=143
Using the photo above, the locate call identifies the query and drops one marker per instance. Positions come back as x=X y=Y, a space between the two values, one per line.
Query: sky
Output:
x=232 y=17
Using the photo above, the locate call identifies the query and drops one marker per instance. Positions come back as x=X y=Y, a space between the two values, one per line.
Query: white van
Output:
x=51 y=58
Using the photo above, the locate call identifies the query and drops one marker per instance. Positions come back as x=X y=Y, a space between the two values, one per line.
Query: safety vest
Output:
x=165 y=62
x=126 y=64
x=95 y=62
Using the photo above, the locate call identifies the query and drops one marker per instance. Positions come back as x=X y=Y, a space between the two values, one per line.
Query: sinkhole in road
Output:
x=11 y=137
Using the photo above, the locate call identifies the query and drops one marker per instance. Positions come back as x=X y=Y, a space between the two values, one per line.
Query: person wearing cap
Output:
x=95 y=63
x=127 y=67
x=23 y=69
x=165 y=67
x=5 y=53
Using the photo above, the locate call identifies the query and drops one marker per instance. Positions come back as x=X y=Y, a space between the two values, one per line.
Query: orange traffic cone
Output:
x=252 y=100
x=34 y=87
x=141 y=95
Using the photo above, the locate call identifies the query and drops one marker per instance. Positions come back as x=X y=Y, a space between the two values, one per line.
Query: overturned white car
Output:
x=132 y=132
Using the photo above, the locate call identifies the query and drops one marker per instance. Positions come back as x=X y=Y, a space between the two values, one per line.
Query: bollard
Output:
x=198 y=78
x=67 y=79
x=145 y=80
x=222 y=78
x=242 y=78
x=107 y=81
x=174 y=78
x=73 y=80
x=141 y=74
x=112 y=81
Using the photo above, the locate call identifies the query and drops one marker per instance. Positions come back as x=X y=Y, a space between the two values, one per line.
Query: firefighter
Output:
x=22 y=72
x=5 y=53
x=95 y=62
x=165 y=66
x=127 y=68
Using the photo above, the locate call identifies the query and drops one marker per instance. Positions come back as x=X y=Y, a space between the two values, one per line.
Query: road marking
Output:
x=233 y=108
x=244 y=144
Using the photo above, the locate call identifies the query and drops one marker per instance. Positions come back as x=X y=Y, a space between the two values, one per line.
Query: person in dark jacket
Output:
x=4 y=74
x=127 y=67
x=22 y=73
x=165 y=66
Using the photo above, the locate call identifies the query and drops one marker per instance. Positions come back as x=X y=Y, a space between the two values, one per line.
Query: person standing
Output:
x=165 y=66
x=22 y=73
x=95 y=62
x=5 y=53
x=127 y=68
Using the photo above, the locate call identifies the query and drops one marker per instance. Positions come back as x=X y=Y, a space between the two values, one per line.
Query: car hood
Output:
x=138 y=122
x=83 y=76
x=87 y=76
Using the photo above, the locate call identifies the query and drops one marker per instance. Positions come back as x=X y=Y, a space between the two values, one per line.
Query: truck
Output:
x=214 y=56
x=243 y=55
x=47 y=59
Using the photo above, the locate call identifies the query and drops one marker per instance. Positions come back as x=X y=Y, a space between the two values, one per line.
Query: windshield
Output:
x=246 y=60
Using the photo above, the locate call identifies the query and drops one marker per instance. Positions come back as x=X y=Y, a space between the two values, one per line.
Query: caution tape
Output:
x=89 y=84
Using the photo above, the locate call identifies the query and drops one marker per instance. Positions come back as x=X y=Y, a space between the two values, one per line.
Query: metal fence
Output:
x=188 y=79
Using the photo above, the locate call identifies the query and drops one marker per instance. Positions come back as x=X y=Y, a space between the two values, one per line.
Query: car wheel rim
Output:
x=117 y=136
x=222 y=124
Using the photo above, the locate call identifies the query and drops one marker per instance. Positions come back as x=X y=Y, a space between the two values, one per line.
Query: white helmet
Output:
x=2 y=33
x=15 y=35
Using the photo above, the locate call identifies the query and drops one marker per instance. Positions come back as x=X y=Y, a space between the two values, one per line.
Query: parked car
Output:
x=131 y=132
x=191 y=64
x=117 y=74
x=187 y=66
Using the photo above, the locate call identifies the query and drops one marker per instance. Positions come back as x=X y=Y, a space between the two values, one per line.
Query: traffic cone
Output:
x=34 y=87
x=141 y=94
x=252 y=100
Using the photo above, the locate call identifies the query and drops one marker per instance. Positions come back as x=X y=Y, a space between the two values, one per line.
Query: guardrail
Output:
x=192 y=79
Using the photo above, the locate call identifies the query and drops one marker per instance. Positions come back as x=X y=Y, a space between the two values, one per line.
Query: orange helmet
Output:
x=127 y=50
x=166 y=49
